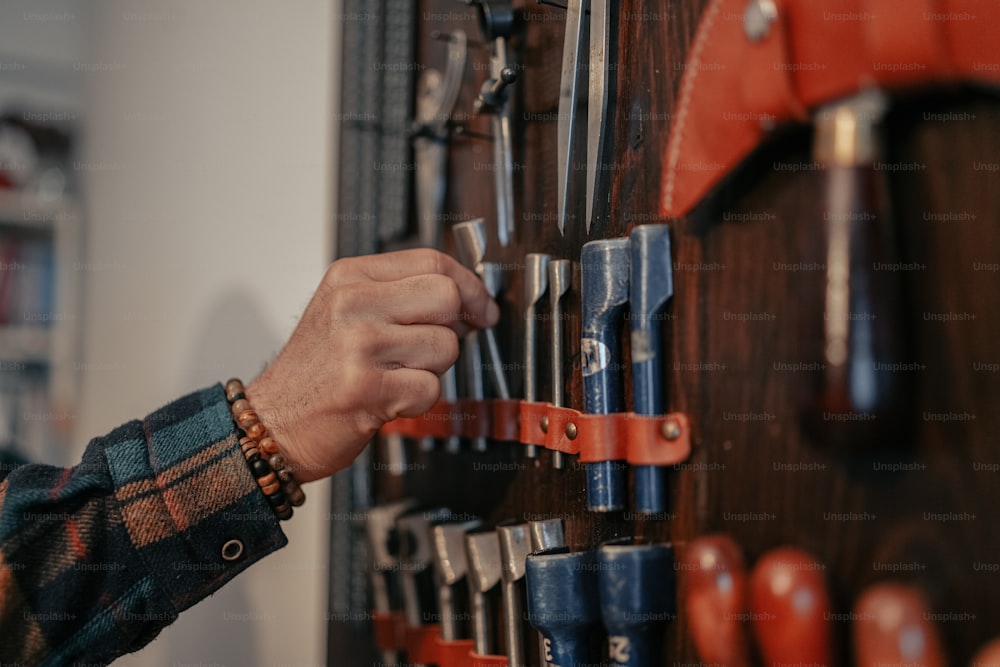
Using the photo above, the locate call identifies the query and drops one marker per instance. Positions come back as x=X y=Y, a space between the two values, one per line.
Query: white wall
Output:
x=207 y=172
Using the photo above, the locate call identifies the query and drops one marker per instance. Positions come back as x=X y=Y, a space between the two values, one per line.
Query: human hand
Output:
x=370 y=346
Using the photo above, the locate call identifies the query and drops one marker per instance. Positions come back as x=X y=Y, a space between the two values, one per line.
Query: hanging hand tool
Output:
x=497 y=22
x=859 y=404
x=790 y=608
x=515 y=545
x=560 y=279
x=470 y=241
x=536 y=281
x=636 y=588
x=605 y=287
x=583 y=69
x=436 y=98
x=380 y=526
x=714 y=590
x=483 y=552
x=415 y=555
x=546 y=535
x=893 y=628
x=450 y=565
x=563 y=604
x=651 y=287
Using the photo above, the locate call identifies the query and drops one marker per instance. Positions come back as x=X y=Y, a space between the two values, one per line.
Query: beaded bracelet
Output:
x=267 y=465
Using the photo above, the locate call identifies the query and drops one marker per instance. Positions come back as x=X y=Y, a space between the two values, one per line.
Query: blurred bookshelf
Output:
x=40 y=275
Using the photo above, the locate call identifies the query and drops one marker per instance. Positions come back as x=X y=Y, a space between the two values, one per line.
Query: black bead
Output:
x=277 y=498
x=237 y=397
x=259 y=466
x=283 y=513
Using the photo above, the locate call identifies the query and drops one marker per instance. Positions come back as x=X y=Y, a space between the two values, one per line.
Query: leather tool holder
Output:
x=740 y=84
x=661 y=440
x=423 y=644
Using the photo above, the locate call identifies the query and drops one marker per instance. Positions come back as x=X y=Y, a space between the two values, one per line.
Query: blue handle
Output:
x=637 y=591
x=605 y=288
x=563 y=605
x=651 y=289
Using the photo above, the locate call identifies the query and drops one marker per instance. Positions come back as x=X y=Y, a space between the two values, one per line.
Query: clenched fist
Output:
x=369 y=348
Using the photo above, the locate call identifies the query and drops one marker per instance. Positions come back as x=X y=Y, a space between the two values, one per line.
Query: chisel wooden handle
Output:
x=714 y=589
x=892 y=628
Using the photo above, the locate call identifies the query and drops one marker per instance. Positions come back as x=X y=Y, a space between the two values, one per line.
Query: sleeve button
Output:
x=232 y=550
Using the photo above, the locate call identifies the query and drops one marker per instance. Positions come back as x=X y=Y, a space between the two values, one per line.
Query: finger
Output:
x=407 y=392
x=424 y=299
x=388 y=267
x=420 y=347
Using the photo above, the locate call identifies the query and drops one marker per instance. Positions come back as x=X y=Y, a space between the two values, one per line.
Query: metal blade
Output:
x=570 y=87
x=597 y=106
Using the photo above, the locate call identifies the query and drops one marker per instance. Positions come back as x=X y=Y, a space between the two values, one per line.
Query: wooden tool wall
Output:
x=924 y=505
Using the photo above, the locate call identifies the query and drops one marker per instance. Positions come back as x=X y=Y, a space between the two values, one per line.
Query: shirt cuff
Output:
x=192 y=509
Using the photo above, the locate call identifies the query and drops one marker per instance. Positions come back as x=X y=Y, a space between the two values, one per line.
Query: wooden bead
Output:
x=259 y=467
x=256 y=431
x=247 y=418
x=278 y=462
x=296 y=496
x=239 y=406
x=892 y=628
x=791 y=609
x=715 y=583
x=283 y=512
x=250 y=453
x=271 y=488
x=233 y=387
x=246 y=442
x=268 y=479
x=285 y=475
x=268 y=445
x=277 y=498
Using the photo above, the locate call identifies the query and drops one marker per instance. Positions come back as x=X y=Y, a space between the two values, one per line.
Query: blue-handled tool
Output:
x=563 y=605
x=637 y=595
x=652 y=286
x=605 y=287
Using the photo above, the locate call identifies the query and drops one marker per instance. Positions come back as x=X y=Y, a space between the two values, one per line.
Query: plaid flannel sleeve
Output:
x=96 y=559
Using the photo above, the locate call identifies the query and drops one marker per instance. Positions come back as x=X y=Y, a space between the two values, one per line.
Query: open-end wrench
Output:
x=470 y=241
x=651 y=287
x=380 y=526
x=415 y=556
x=605 y=287
x=560 y=280
x=482 y=549
x=497 y=20
x=536 y=283
x=636 y=587
x=563 y=604
x=515 y=545
x=450 y=565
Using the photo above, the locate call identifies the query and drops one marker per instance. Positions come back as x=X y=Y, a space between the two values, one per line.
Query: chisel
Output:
x=605 y=287
x=560 y=279
x=450 y=565
x=572 y=105
x=515 y=545
x=536 y=282
x=482 y=549
x=415 y=555
x=603 y=47
x=380 y=526
x=651 y=287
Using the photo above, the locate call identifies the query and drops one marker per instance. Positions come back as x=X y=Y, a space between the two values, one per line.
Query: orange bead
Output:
x=256 y=431
x=268 y=446
x=714 y=593
x=239 y=406
x=269 y=478
x=790 y=609
x=271 y=488
x=246 y=418
x=892 y=628
x=234 y=387
x=249 y=452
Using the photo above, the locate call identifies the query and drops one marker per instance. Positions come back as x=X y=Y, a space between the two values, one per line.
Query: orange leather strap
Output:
x=532 y=417
x=657 y=441
x=421 y=643
x=478 y=660
x=506 y=417
x=602 y=437
x=388 y=629
x=456 y=653
x=558 y=437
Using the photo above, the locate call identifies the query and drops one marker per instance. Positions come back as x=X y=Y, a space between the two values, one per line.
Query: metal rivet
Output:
x=571 y=431
x=545 y=424
x=758 y=17
x=670 y=429
x=232 y=550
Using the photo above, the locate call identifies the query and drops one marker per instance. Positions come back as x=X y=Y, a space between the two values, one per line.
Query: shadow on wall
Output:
x=233 y=339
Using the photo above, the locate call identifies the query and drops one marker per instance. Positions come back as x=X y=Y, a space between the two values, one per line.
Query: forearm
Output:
x=97 y=559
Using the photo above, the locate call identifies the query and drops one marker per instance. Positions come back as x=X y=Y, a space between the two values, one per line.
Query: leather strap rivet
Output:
x=571 y=431
x=545 y=424
x=670 y=429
